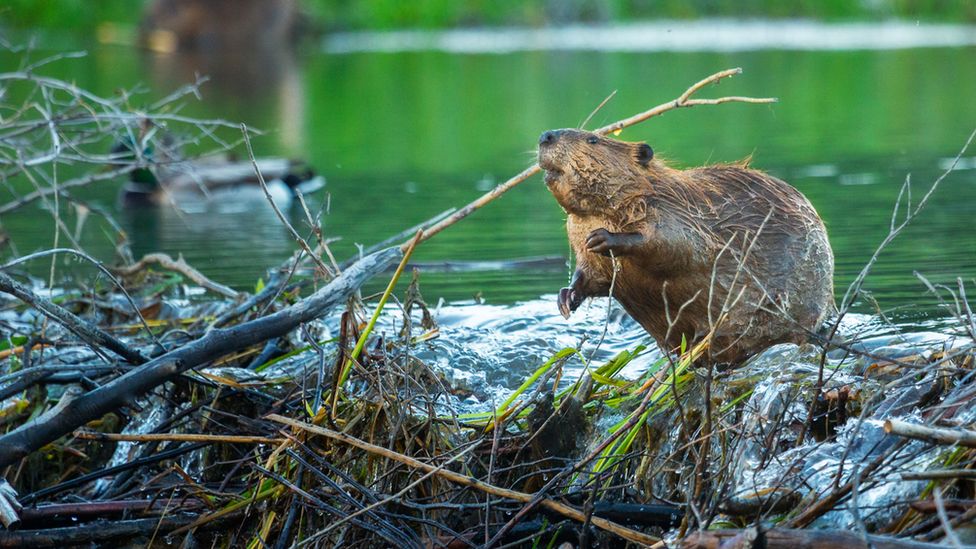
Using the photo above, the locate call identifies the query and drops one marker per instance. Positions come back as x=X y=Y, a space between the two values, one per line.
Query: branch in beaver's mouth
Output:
x=552 y=175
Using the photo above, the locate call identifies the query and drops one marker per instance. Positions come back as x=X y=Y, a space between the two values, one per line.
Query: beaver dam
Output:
x=146 y=404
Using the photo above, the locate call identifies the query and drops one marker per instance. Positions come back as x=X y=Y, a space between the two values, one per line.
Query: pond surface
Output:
x=401 y=136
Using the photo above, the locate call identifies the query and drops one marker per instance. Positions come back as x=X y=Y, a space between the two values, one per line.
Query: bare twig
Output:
x=597 y=109
x=944 y=518
x=182 y=267
x=935 y=435
x=281 y=217
x=939 y=474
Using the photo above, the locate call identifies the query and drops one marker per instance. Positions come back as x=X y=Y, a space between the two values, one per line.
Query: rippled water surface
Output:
x=406 y=125
x=403 y=135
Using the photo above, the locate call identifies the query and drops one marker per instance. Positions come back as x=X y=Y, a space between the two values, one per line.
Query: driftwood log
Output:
x=31 y=436
x=935 y=435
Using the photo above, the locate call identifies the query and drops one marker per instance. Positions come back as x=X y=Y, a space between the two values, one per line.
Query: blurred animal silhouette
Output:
x=164 y=177
x=210 y=25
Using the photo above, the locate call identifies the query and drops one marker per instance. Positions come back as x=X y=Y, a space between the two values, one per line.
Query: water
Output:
x=403 y=135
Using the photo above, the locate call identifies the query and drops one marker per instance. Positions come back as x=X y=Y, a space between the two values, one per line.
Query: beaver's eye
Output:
x=592 y=140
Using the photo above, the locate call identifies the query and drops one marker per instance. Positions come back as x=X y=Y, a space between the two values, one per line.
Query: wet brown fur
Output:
x=711 y=239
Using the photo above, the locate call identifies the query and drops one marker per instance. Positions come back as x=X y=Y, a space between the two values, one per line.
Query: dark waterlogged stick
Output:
x=90 y=534
x=684 y=100
x=179 y=437
x=935 y=435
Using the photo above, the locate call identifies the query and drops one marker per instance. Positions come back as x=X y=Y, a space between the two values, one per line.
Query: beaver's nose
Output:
x=549 y=137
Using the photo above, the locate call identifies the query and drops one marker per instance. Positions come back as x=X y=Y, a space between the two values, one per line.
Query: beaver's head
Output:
x=589 y=174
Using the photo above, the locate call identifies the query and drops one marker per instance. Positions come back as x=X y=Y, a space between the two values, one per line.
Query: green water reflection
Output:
x=401 y=137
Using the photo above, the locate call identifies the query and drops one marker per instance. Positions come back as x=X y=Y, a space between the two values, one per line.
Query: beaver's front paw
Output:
x=603 y=242
x=569 y=300
x=600 y=241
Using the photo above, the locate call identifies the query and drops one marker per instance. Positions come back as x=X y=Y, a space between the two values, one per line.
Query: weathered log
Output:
x=939 y=474
x=785 y=538
x=91 y=335
x=32 y=435
x=935 y=435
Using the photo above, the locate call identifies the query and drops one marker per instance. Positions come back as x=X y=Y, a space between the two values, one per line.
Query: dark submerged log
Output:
x=98 y=531
x=46 y=514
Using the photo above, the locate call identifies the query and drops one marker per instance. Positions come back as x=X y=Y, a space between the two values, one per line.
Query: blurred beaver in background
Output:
x=723 y=249
x=219 y=25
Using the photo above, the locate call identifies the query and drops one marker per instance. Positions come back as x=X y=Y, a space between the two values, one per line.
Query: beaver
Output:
x=722 y=249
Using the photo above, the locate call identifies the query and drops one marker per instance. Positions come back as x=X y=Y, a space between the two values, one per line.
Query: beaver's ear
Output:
x=644 y=154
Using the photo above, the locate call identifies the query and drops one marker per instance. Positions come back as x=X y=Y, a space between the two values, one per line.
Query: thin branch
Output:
x=682 y=101
x=935 y=435
x=597 y=109
x=281 y=217
x=181 y=266
x=91 y=335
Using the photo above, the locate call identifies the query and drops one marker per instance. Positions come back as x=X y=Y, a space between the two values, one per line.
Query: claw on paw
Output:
x=565 y=301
